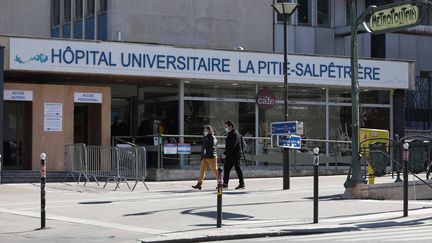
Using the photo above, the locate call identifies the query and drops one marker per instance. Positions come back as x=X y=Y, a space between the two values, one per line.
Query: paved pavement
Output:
x=173 y=211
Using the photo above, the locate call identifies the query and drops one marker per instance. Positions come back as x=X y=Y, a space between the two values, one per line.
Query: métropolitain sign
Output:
x=393 y=17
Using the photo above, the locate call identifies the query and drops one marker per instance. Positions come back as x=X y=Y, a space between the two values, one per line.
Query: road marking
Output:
x=88 y=222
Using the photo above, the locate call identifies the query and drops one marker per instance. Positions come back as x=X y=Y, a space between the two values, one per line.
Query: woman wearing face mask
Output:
x=208 y=155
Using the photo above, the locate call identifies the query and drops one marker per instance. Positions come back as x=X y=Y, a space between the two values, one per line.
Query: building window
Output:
x=55 y=18
x=102 y=27
x=67 y=10
x=102 y=7
x=347 y=13
x=90 y=8
x=90 y=20
x=78 y=9
x=378 y=46
x=323 y=13
x=55 y=12
x=303 y=12
x=425 y=19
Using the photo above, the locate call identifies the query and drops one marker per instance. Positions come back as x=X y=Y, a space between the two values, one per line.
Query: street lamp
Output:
x=286 y=10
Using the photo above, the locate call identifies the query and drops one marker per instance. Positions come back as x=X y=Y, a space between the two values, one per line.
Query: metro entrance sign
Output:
x=393 y=17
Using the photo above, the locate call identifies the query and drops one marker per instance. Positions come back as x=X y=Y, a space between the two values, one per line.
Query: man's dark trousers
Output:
x=229 y=163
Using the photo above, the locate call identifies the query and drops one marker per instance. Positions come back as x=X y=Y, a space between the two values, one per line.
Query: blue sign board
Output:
x=288 y=127
x=289 y=141
x=184 y=148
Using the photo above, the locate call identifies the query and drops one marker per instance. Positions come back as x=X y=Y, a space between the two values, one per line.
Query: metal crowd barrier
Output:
x=117 y=164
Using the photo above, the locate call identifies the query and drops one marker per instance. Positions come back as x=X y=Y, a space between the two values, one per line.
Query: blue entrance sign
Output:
x=288 y=127
x=184 y=148
x=289 y=141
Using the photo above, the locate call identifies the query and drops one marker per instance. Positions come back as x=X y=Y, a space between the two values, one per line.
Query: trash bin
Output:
x=417 y=156
x=378 y=158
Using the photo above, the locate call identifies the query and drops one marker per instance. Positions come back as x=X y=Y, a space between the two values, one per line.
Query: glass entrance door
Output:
x=17 y=135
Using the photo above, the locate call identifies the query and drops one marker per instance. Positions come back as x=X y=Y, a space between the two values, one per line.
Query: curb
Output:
x=240 y=236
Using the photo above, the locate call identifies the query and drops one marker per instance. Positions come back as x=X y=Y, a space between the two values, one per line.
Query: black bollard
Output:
x=219 y=197
x=43 y=183
x=405 y=180
x=315 y=189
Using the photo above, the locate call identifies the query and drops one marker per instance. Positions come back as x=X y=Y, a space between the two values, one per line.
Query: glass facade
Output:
x=325 y=112
x=215 y=103
x=158 y=108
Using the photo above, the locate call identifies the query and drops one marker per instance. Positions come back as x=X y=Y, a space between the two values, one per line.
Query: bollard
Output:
x=43 y=182
x=316 y=175
x=219 y=197
x=405 y=155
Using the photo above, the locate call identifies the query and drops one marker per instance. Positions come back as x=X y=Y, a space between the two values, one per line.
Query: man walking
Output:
x=233 y=150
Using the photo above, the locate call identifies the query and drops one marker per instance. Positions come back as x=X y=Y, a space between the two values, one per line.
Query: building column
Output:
x=391 y=114
x=181 y=118
x=399 y=106
x=327 y=122
x=256 y=125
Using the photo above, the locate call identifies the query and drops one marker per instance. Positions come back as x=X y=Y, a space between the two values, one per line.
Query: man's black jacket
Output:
x=233 y=144
x=208 y=148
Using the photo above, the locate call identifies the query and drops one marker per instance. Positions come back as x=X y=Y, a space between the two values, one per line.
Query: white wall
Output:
x=202 y=23
x=25 y=17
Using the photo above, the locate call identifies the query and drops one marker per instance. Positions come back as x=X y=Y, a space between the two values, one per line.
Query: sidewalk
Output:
x=172 y=211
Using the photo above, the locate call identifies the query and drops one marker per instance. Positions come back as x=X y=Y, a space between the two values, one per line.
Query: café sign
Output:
x=265 y=99
x=393 y=17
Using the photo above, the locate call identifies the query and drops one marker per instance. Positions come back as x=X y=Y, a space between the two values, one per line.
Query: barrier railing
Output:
x=385 y=155
x=258 y=152
x=117 y=164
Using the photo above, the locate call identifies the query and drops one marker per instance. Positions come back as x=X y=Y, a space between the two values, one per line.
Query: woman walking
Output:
x=208 y=155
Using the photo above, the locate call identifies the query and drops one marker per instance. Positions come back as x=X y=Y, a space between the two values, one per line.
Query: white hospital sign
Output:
x=175 y=62
x=18 y=95
x=80 y=97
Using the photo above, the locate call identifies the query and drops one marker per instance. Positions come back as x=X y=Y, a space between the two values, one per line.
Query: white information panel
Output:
x=53 y=117
x=80 y=97
x=18 y=95
x=170 y=148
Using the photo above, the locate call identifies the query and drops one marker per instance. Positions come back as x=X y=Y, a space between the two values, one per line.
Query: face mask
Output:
x=205 y=133
x=227 y=129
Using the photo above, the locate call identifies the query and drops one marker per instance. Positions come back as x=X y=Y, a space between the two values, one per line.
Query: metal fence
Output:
x=116 y=164
x=259 y=151
x=385 y=155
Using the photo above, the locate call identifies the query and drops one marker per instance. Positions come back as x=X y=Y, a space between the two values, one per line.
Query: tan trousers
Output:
x=205 y=164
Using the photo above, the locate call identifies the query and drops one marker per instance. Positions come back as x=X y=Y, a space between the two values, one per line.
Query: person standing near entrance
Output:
x=233 y=152
x=208 y=155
